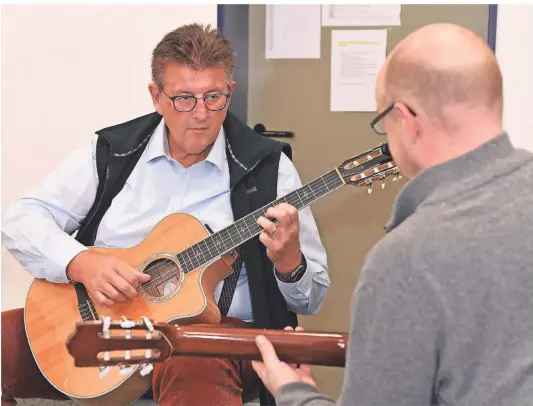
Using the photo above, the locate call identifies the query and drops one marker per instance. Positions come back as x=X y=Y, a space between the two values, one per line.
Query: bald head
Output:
x=440 y=69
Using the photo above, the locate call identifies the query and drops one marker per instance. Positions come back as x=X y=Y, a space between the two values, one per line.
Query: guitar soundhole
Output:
x=166 y=278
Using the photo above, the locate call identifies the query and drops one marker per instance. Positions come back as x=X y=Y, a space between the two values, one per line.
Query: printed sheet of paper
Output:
x=356 y=58
x=292 y=31
x=344 y=15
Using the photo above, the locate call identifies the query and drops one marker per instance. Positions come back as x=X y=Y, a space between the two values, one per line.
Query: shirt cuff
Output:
x=59 y=255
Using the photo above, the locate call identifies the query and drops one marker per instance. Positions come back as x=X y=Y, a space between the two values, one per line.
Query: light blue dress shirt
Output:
x=37 y=228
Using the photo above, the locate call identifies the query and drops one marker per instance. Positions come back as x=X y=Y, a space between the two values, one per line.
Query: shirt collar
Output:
x=158 y=147
x=217 y=154
x=437 y=177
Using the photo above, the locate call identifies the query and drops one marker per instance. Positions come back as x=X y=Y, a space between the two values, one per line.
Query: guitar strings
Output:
x=190 y=264
x=224 y=240
x=167 y=270
x=206 y=254
x=320 y=191
x=332 y=175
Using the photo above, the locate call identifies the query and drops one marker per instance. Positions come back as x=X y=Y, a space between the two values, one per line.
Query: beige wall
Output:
x=66 y=72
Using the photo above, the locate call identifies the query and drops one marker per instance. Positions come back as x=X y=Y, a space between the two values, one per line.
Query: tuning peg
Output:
x=146 y=369
x=147 y=323
x=125 y=323
x=106 y=321
x=397 y=176
x=370 y=189
x=104 y=371
x=383 y=185
x=125 y=369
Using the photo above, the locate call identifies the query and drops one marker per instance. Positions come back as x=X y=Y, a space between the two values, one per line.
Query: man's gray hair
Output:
x=193 y=45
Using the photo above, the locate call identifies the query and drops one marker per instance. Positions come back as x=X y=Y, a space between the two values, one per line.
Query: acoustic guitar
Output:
x=185 y=263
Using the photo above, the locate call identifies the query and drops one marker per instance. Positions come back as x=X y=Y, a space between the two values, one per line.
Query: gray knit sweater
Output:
x=443 y=311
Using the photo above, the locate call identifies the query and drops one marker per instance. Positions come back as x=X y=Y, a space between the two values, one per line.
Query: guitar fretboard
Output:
x=246 y=228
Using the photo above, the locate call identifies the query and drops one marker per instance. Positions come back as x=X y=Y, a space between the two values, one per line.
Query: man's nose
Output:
x=200 y=111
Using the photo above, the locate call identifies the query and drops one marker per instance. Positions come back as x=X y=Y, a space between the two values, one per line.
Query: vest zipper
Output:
x=253 y=166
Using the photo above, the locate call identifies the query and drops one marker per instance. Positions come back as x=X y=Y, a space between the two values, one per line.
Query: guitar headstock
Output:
x=105 y=343
x=372 y=165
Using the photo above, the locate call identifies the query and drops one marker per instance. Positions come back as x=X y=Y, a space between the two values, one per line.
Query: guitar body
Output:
x=52 y=311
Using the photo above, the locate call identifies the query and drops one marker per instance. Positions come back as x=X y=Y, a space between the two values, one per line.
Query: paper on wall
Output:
x=356 y=58
x=360 y=15
x=292 y=31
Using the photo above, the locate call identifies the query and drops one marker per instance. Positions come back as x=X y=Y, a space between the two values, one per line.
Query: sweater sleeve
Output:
x=300 y=394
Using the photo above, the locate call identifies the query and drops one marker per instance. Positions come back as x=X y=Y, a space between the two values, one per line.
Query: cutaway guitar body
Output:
x=52 y=311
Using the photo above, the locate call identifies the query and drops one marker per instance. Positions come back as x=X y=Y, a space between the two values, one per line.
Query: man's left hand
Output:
x=282 y=238
x=275 y=373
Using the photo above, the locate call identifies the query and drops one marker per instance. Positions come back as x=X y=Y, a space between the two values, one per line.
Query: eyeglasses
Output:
x=185 y=103
x=377 y=122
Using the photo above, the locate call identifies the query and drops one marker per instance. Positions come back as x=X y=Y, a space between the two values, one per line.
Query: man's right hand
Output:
x=106 y=278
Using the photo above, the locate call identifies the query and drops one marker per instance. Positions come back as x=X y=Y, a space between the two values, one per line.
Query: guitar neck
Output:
x=296 y=347
x=93 y=344
x=246 y=228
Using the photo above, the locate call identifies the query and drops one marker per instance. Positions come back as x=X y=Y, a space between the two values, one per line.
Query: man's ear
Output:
x=231 y=91
x=154 y=92
x=409 y=121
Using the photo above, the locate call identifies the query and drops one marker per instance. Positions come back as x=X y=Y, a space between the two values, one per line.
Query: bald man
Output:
x=443 y=310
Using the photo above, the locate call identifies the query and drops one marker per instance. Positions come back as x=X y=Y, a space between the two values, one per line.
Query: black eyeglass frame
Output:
x=172 y=98
x=380 y=116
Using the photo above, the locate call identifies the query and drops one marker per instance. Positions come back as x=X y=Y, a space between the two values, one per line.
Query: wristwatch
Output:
x=295 y=276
